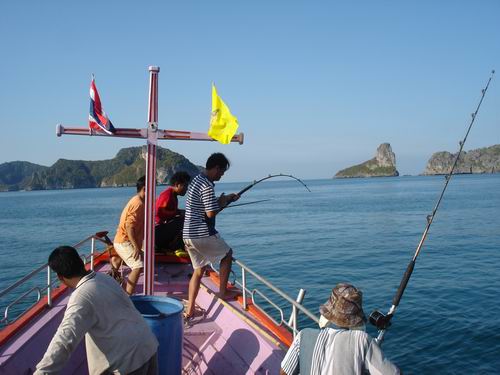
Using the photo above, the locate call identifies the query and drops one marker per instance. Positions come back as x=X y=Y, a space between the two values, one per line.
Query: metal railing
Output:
x=296 y=305
x=291 y=323
x=48 y=286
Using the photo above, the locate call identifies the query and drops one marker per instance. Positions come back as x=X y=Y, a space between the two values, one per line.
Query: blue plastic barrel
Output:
x=164 y=317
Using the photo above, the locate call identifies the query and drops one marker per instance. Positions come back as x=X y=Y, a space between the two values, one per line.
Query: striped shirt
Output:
x=339 y=352
x=200 y=198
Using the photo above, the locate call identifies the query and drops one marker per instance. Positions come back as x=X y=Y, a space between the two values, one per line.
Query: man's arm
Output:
x=223 y=201
x=130 y=224
x=164 y=212
x=290 y=364
x=133 y=240
x=77 y=320
x=376 y=363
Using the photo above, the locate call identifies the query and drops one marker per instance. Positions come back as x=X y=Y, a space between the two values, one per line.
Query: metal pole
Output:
x=49 y=287
x=92 y=250
x=149 y=233
x=152 y=134
x=244 y=286
x=293 y=317
x=278 y=291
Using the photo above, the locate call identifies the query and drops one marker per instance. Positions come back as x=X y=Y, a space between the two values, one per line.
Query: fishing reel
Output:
x=380 y=320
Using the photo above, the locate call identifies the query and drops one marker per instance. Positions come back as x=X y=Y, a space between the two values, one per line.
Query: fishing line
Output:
x=247 y=203
x=383 y=321
x=246 y=188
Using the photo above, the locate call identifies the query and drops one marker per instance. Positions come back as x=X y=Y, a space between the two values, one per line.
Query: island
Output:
x=481 y=160
x=382 y=165
x=122 y=170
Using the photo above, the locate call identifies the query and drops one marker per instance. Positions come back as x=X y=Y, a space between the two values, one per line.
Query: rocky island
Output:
x=122 y=170
x=382 y=165
x=481 y=160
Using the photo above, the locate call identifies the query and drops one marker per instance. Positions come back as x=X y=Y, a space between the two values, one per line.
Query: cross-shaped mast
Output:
x=152 y=134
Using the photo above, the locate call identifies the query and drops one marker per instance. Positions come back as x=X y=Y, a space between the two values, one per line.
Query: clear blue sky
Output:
x=316 y=85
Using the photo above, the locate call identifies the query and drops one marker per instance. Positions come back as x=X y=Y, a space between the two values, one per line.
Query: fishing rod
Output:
x=247 y=203
x=383 y=321
x=245 y=189
x=272 y=176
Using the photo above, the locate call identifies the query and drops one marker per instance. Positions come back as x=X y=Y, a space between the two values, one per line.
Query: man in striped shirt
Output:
x=346 y=349
x=201 y=239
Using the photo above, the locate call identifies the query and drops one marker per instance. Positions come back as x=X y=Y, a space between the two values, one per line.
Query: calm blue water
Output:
x=364 y=231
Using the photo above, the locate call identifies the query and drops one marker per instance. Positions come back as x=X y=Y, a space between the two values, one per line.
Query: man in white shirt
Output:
x=118 y=339
x=344 y=350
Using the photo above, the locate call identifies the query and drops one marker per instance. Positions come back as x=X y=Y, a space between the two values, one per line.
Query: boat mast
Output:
x=152 y=134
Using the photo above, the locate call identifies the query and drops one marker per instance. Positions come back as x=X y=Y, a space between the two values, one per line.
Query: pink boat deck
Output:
x=224 y=340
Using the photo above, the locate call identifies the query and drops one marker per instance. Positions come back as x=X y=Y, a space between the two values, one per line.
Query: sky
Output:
x=316 y=86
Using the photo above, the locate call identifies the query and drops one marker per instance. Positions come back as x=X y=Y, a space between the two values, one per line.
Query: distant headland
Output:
x=122 y=170
x=128 y=165
x=382 y=165
x=478 y=161
x=481 y=160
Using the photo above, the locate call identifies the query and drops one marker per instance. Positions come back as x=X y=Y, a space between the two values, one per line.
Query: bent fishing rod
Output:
x=383 y=321
x=246 y=188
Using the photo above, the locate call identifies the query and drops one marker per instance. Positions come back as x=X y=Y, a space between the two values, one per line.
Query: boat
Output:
x=239 y=336
x=230 y=337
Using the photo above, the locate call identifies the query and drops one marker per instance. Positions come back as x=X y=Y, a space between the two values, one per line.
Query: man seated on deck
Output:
x=130 y=235
x=169 y=219
x=346 y=349
x=117 y=338
x=202 y=241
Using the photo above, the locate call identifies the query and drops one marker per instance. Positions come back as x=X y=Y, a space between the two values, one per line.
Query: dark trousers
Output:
x=149 y=368
x=168 y=236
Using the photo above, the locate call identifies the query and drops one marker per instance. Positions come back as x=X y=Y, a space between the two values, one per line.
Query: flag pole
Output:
x=152 y=134
x=171 y=135
x=152 y=140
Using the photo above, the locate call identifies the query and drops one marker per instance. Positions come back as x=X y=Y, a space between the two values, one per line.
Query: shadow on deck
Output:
x=224 y=339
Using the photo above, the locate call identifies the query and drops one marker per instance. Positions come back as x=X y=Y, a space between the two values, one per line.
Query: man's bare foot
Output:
x=230 y=295
x=196 y=311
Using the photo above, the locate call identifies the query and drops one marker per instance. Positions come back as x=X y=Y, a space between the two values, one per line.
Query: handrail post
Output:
x=49 y=287
x=293 y=318
x=39 y=270
x=92 y=250
x=244 y=286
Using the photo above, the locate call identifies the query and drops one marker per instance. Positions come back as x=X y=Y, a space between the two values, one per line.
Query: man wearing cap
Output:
x=345 y=349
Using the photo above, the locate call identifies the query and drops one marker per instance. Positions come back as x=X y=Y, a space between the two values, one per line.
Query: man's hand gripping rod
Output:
x=246 y=188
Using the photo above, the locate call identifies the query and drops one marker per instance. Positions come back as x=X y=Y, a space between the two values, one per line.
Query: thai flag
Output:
x=98 y=120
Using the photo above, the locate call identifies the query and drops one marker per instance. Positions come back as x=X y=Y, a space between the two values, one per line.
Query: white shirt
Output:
x=117 y=338
x=340 y=352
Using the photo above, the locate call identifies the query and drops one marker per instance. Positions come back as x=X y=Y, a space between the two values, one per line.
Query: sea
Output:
x=361 y=231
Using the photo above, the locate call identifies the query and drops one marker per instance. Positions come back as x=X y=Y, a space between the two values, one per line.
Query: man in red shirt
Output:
x=169 y=219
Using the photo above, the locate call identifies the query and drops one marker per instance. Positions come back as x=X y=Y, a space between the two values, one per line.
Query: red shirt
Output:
x=167 y=200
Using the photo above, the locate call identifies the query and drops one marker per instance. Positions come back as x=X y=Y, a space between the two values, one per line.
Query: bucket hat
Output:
x=344 y=308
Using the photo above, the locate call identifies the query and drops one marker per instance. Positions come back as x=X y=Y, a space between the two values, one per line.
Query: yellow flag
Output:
x=223 y=125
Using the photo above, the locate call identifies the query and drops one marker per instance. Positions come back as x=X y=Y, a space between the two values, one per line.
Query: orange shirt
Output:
x=132 y=216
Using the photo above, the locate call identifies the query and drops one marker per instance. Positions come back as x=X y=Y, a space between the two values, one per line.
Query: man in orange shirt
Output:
x=130 y=234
